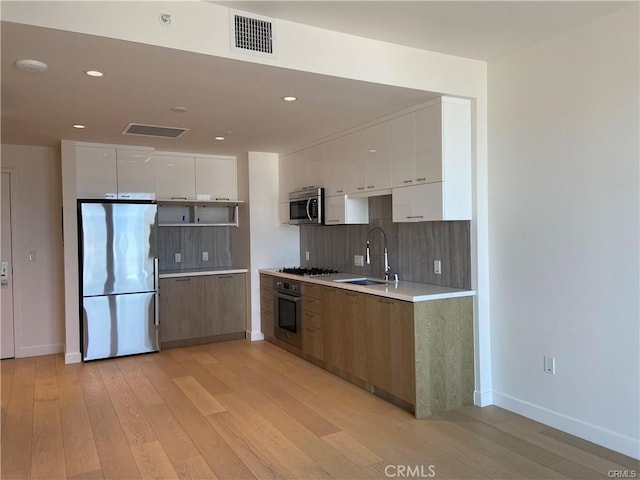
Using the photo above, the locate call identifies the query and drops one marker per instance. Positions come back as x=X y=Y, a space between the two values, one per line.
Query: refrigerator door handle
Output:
x=156 y=285
x=157 y=308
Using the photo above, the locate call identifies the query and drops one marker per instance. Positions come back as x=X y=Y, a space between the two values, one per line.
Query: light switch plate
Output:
x=205 y=256
x=358 y=260
x=437 y=267
x=178 y=257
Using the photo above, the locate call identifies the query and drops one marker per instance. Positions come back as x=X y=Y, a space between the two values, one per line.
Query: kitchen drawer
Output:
x=312 y=290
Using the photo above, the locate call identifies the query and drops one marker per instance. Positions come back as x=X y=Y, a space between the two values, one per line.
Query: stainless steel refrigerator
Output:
x=118 y=278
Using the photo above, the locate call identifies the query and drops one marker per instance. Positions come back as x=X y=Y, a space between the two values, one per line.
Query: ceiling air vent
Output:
x=252 y=34
x=153 y=131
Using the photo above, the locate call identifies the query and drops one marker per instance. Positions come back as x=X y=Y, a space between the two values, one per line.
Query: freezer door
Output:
x=116 y=325
x=118 y=248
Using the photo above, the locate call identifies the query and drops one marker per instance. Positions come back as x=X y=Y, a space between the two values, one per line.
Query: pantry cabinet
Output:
x=109 y=172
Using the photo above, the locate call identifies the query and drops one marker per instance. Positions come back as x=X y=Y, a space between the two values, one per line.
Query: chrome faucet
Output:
x=387 y=269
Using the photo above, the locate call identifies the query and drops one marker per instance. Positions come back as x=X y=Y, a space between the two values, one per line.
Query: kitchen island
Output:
x=409 y=343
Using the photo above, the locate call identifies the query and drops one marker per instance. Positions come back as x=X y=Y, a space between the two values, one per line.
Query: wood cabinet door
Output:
x=390 y=352
x=354 y=333
x=181 y=308
x=225 y=304
x=266 y=306
x=332 y=339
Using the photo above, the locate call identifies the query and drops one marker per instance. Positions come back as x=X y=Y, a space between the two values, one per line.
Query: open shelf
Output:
x=198 y=214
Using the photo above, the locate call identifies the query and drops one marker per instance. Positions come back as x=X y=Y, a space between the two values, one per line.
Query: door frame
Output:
x=15 y=266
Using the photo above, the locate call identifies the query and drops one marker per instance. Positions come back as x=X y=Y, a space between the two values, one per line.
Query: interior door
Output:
x=7 y=348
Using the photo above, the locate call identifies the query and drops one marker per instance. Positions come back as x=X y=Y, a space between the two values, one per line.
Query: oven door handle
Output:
x=288 y=297
x=309 y=213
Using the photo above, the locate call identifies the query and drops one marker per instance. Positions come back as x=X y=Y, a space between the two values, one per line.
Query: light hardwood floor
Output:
x=251 y=410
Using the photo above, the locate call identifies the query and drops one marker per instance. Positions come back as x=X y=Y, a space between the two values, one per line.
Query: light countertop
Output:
x=407 y=291
x=195 y=272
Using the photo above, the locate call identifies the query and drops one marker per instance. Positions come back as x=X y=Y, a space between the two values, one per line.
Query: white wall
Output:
x=564 y=230
x=272 y=244
x=38 y=285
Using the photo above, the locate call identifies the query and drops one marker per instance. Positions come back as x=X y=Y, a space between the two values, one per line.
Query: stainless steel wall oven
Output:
x=288 y=311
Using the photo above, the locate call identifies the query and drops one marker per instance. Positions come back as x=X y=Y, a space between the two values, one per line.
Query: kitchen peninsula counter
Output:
x=407 y=291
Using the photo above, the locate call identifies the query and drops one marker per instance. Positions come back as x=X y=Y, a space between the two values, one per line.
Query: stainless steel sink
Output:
x=361 y=281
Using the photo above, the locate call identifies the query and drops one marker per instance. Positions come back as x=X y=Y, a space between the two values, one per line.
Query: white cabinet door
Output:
x=376 y=149
x=283 y=213
x=417 y=203
x=335 y=169
x=136 y=174
x=216 y=178
x=316 y=167
x=285 y=177
x=341 y=210
x=353 y=159
x=96 y=172
x=175 y=177
x=403 y=150
x=429 y=154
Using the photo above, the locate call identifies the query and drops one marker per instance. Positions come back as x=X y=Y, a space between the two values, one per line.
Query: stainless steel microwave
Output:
x=306 y=207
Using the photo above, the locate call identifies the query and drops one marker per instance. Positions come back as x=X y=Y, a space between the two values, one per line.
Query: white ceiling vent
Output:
x=252 y=34
x=154 y=131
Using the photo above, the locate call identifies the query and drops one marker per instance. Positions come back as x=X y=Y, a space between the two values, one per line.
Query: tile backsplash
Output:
x=412 y=247
x=190 y=243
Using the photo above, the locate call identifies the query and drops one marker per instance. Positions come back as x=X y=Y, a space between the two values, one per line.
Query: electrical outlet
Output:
x=550 y=365
x=178 y=257
x=205 y=256
x=32 y=255
x=358 y=260
x=437 y=267
x=306 y=256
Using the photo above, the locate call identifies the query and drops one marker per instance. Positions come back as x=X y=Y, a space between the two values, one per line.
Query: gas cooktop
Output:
x=307 y=271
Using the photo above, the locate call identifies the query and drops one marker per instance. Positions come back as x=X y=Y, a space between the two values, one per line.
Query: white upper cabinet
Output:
x=317 y=172
x=175 y=177
x=96 y=172
x=352 y=157
x=216 y=178
x=105 y=172
x=440 y=188
x=403 y=151
x=341 y=210
x=376 y=151
x=136 y=174
x=335 y=168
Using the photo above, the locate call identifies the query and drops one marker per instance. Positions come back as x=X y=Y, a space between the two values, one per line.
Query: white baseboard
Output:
x=73 y=357
x=23 y=352
x=254 y=336
x=606 y=438
x=482 y=399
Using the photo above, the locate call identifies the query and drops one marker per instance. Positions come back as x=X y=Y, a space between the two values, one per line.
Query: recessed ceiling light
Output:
x=289 y=99
x=29 y=65
x=78 y=125
x=219 y=138
x=179 y=109
x=94 y=73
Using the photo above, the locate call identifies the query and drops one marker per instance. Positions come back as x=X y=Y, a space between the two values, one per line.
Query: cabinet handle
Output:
x=385 y=301
x=225 y=276
x=178 y=198
x=339 y=191
x=407 y=181
x=332 y=221
x=221 y=198
x=183 y=279
x=416 y=216
x=360 y=188
x=125 y=196
x=371 y=186
x=420 y=179
x=353 y=294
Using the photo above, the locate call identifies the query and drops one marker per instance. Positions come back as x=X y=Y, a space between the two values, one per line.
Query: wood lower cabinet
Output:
x=181 y=308
x=202 y=309
x=390 y=352
x=354 y=334
x=266 y=306
x=225 y=304
x=312 y=320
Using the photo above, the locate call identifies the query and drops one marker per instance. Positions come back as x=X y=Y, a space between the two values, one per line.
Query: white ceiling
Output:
x=225 y=95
